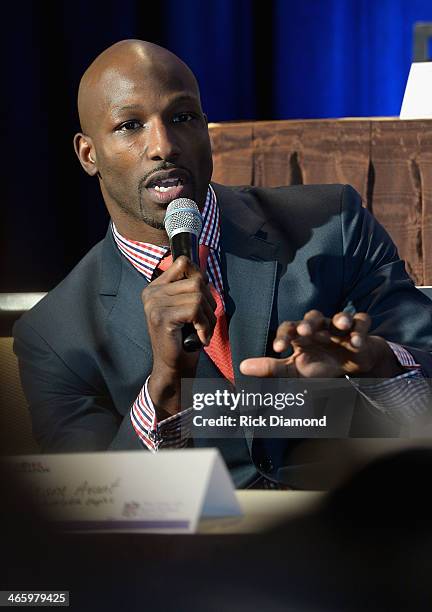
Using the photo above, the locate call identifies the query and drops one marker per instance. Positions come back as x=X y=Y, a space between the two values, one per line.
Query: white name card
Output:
x=417 y=101
x=166 y=492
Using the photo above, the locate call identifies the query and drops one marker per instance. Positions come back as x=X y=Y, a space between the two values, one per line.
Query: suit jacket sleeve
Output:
x=68 y=413
x=375 y=281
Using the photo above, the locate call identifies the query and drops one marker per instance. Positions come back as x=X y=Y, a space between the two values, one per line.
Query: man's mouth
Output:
x=165 y=186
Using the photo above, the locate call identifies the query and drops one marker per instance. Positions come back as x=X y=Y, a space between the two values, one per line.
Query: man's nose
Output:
x=161 y=141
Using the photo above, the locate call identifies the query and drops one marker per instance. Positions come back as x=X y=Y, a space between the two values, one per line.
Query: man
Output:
x=101 y=357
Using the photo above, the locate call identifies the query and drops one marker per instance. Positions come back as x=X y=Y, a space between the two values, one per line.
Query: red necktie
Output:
x=219 y=349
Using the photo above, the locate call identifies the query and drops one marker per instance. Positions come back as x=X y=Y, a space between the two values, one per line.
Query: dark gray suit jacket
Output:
x=84 y=350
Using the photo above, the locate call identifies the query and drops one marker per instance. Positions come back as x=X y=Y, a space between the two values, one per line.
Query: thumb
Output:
x=268 y=367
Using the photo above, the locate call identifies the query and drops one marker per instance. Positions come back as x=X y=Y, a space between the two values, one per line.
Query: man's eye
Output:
x=128 y=126
x=183 y=117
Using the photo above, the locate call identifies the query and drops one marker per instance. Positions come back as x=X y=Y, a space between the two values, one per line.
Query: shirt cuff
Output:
x=172 y=432
x=402 y=398
x=404 y=357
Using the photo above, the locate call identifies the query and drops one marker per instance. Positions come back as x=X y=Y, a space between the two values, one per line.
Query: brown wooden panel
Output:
x=277 y=150
x=296 y=152
x=232 y=153
x=397 y=191
x=425 y=167
x=389 y=162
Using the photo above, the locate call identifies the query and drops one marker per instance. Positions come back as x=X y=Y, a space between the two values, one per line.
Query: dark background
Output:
x=254 y=60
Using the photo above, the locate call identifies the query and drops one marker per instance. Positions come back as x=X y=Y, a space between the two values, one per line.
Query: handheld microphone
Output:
x=183 y=224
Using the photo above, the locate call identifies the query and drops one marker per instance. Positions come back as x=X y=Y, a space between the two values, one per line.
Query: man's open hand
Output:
x=326 y=348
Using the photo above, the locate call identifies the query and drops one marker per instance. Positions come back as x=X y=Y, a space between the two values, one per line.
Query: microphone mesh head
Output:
x=182 y=215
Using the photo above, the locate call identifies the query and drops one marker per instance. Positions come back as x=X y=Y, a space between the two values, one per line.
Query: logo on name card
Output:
x=130 y=509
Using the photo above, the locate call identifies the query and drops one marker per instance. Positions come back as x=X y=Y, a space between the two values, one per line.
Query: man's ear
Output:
x=86 y=153
x=205 y=118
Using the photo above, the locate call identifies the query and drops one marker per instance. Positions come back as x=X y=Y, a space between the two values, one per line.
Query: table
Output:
x=263 y=510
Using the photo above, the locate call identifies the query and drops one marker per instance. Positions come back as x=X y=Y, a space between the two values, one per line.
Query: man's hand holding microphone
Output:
x=179 y=309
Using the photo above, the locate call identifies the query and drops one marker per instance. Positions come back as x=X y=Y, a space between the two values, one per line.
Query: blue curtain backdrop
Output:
x=315 y=58
x=336 y=58
x=254 y=59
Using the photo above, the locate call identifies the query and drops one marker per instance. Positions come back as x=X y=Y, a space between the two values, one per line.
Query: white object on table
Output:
x=167 y=492
x=417 y=101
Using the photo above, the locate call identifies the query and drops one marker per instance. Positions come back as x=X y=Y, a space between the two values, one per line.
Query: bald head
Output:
x=136 y=60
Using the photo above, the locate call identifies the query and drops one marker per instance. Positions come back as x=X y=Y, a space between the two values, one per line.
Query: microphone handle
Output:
x=186 y=243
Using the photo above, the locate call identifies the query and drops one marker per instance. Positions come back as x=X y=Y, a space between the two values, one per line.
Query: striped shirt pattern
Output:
x=173 y=432
x=403 y=398
x=403 y=356
x=397 y=397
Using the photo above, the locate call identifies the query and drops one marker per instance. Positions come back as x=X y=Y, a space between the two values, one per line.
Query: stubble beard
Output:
x=148 y=218
x=140 y=213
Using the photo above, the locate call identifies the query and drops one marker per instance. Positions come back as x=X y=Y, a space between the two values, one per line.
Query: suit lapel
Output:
x=249 y=297
x=121 y=287
x=249 y=269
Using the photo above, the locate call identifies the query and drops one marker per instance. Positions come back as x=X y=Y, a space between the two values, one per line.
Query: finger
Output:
x=210 y=318
x=195 y=284
x=341 y=325
x=203 y=320
x=196 y=302
x=323 y=336
x=285 y=333
x=361 y=326
x=180 y=292
x=182 y=267
x=267 y=367
x=312 y=322
x=202 y=316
